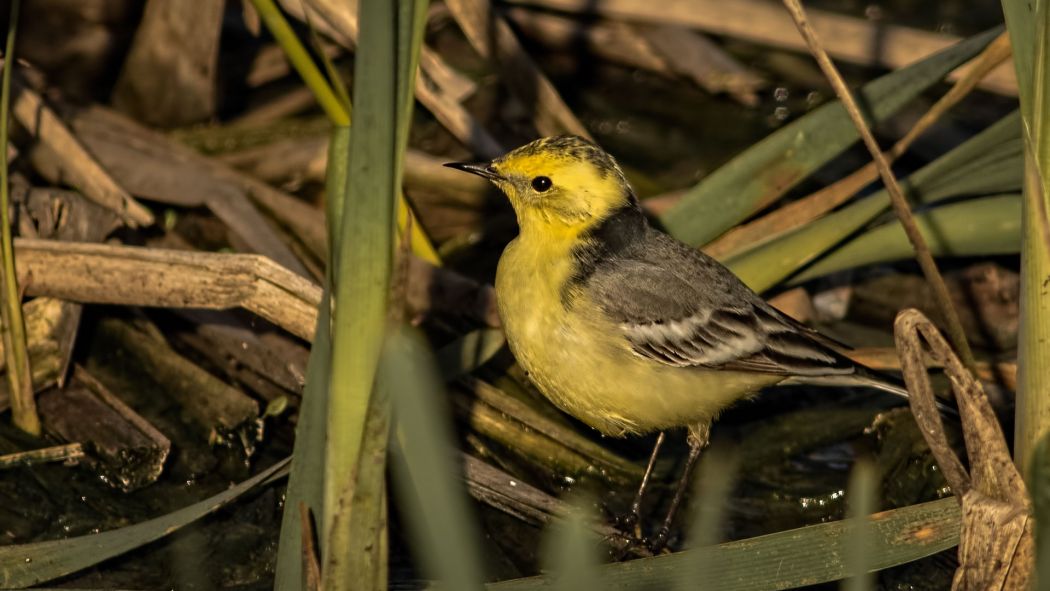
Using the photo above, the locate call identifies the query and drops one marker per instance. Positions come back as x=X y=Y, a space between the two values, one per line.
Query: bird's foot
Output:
x=630 y=523
x=658 y=543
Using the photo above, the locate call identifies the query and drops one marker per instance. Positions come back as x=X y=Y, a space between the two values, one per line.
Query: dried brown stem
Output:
x=900 y=204
x=58 y=453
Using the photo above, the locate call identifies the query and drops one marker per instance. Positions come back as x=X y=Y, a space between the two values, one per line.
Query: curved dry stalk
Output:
x=996 y=545
x=900 y=204
x=134 y=276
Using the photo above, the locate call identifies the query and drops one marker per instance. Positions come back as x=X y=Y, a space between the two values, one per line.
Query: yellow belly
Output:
x=582 y=363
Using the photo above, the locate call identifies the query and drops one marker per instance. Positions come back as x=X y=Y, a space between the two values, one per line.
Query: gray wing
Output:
x=679 y=307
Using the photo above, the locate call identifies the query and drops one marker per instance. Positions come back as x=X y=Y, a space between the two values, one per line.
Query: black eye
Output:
x=541 y=183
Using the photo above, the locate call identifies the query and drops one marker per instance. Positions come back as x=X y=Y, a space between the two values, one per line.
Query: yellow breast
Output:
x=581 y=362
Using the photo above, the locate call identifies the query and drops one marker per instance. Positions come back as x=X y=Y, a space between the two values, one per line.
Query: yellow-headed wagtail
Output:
x=624 y=327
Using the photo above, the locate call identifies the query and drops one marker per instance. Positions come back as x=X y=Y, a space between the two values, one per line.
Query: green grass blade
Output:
x=978 y=227
x=336 y=175
x=966 y=166
x=1029 y=27
x=784 y=560
x=714 y=483
x=19 y=375
x=363 y=248
x=1039 y=485
x=363 y=259
x=861 y=498
x=432 y=498
x=767 y=170
x=26 y=565
x=331 y=95
x=571 y=555
x=337 y=112
x=306 y=484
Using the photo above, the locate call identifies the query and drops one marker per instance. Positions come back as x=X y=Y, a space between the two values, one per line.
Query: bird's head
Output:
x=561 y=183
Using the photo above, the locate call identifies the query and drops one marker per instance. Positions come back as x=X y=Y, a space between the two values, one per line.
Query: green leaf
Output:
x=432 y=497
x=714 y=482
x=1028 y=23
x=306 y=484
x=25 y=565
x=795 y=558
x=987 y=162
x=571 y=555
x=978 y=227
x=861 y=498
x=334 y=108
x=1038 y=480
x=384 y=70
x=767 y=170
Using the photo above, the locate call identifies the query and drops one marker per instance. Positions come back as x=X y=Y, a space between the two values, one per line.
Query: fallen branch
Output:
x=134 y=276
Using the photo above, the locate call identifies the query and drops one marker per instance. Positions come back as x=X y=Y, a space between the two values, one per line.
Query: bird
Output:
x=626 y=328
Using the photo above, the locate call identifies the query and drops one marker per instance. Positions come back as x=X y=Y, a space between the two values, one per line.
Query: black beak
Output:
x=482 y=169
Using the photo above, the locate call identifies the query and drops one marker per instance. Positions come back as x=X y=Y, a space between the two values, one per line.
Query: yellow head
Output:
x=560 y=184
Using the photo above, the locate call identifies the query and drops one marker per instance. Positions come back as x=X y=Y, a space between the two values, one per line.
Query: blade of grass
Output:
x=784 y=560
x=337 y=112
x=861 y=498
x=19 y=375
x=431 y=496
x=306 y=484
x=714 y=482
x=983 y=164
x=352 y=556
x=571 y=551
x=763 y=173
x=25 y=565
x=329 y=67
x=977 y=227
x=900 y=205
x=1039 y=485
x=798 y=213
x=1029 y=27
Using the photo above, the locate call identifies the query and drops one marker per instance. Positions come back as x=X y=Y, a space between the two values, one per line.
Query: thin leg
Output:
x=698 y=439
x=632 y=519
